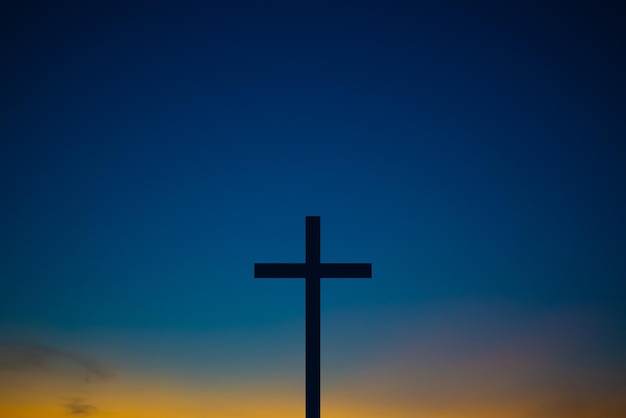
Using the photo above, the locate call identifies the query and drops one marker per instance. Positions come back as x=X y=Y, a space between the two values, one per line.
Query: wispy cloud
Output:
x=77 y=406
x=31 y=363
x=38 y=357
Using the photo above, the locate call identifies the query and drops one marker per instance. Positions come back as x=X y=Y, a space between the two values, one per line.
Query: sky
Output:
x=152 y=152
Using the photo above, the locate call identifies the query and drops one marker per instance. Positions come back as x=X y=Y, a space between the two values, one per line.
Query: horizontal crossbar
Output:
x=323 y=270
x=279 y=270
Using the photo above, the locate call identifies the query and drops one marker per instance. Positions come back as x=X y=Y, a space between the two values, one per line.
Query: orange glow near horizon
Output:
x=480 y=395
x=442 y=374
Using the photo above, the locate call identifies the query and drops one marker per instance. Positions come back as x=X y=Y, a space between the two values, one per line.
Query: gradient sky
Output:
x=152 y=152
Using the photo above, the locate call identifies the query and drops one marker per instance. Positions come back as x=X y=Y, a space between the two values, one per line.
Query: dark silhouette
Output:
x=312 y=271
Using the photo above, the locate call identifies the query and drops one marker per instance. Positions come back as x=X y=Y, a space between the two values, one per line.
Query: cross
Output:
x=312 y=271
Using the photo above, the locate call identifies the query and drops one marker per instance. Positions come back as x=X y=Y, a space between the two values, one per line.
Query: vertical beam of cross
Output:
x=312 y=271
x=313 y=318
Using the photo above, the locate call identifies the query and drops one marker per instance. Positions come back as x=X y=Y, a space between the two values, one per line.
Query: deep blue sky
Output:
x=151 y=153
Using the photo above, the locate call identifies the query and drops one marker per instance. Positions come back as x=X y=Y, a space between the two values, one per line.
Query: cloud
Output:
x=22 y=367
x=77 y=406
x=32 y=358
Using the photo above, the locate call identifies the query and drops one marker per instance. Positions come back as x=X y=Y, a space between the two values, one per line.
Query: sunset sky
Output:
x=152 y=152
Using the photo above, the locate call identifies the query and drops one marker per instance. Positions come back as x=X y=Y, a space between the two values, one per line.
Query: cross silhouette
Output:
x=312 y=271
